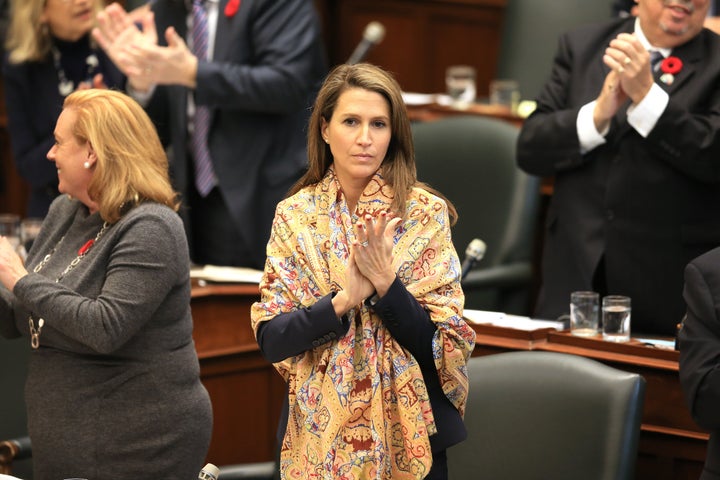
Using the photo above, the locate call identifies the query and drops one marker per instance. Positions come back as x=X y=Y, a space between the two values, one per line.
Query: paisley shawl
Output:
x=358 y=405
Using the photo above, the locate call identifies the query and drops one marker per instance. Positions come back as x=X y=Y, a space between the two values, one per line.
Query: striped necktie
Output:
x=655 y=58
x=205 y=178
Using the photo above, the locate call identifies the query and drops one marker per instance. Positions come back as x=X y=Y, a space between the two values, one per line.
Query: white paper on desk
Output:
x=658 y=343
x=214 y=273
x=413 y=98
x=517 y=322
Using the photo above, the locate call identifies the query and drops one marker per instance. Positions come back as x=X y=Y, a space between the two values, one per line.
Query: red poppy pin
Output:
x=670 y=66
x=231 y=8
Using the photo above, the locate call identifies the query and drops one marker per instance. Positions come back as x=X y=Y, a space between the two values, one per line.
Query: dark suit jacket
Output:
x=648 y=205
x=268 y=63
x=699 y=343
x=33 y=104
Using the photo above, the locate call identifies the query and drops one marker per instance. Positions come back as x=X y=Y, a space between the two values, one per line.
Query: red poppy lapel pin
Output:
x=231 y=8
x=670 y=66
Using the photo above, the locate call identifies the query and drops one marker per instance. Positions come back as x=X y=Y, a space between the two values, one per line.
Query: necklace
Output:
x=35 y=332
x=65 y=85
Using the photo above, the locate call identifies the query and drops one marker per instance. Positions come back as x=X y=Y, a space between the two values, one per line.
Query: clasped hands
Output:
x=369 y=268
x=630 y=77
x=135 y=50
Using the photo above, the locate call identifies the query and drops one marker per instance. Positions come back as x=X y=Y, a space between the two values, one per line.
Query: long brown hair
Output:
x=398 y=167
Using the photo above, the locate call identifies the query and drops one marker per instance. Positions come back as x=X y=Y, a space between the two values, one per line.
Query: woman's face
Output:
x=70 y=157
x=69 y=20
x=359 y=134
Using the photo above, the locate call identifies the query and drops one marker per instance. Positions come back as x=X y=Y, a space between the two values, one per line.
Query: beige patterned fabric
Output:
x=358 y=405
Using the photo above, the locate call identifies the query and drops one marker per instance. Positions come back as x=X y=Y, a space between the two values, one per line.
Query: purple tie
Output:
x=205 y=178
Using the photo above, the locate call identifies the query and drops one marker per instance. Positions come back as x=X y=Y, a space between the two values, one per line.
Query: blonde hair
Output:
x=28 y=39
x=131 y=163
x=398 y=167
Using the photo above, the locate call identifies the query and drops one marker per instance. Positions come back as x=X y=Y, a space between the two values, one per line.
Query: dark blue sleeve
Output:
x=292 y=333
x=408 y=322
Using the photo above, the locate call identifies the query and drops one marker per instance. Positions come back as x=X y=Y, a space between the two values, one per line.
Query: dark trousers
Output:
x=439 y=469
x=214 y=237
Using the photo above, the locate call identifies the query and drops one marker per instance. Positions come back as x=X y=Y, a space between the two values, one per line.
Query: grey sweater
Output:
x=114 y=390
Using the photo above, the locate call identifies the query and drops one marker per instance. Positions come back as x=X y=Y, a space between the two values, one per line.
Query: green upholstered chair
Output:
x=545 y=415
x=471 y=160
x=530 y=34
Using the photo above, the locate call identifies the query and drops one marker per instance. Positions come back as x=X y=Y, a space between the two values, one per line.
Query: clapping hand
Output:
x=369 y=268
x=373 y=250
x=137 y=54
x=11 y=265
x=117 y=32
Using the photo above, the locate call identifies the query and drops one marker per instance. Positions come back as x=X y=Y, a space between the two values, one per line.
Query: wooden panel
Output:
x=247 y=398
x=245 y=390
x=423 y=38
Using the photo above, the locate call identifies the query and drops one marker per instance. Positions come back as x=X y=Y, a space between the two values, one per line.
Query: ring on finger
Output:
x=627 y=60
x=364 y=244
x=621 y=70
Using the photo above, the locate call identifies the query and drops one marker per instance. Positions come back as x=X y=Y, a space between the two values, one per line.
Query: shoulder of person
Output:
x=151 y=210
x=707 y=261
x=420 y=195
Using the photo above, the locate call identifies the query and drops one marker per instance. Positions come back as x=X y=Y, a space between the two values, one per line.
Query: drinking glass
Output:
x=10 y=228
x=616 y=318
x=584 y=308
x=29 y=229
x=505 y=93
x=460 y=83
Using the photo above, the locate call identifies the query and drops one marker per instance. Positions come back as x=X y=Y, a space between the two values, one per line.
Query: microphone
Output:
x=373 y=34
x=474 y=252
x=209 y=472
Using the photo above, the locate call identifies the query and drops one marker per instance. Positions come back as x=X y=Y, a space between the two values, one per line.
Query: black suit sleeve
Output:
x=407 y=322
x=292 y=333
x=699 y=343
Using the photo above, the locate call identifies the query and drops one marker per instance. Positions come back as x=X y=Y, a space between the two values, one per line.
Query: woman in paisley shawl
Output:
x=361 y=305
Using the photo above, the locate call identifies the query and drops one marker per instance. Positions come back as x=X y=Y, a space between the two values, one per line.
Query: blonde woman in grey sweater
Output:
x=113 y=387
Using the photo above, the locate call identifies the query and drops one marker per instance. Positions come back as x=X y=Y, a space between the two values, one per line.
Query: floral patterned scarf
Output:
x=358 y=405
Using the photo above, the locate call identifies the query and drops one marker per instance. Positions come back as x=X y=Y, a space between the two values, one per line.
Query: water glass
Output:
x=505 y=93
x=584 y=308
x=29 y=229
x=616 y=318
x=10 y=228
x=460 y=83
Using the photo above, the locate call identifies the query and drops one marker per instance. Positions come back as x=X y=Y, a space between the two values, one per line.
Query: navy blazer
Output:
x=33 y=104
x=648 y=205
x=268 y=64
x=699 y=344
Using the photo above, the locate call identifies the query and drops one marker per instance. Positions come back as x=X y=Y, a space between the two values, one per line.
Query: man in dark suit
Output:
x=699 y=343
x=258 y=83
x=635 y=155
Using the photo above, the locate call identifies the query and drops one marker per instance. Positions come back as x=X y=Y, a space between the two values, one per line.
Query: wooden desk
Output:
x=245 y=389
x=247 y=392
x=434 y=111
